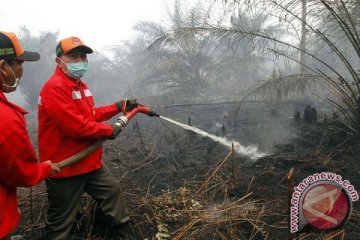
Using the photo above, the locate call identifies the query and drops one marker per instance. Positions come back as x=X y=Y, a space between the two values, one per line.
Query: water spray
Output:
x=251 y=151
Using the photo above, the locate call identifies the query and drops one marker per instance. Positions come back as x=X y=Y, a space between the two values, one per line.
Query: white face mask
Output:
x=7 y=88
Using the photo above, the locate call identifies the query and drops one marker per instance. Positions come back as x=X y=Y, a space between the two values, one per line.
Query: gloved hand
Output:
x=115 y=131
x=130 y=104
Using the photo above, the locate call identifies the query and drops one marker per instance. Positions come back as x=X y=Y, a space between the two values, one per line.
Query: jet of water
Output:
x=251 y=151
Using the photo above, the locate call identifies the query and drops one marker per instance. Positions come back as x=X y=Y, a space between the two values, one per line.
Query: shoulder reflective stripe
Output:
x=76 y=95
x=39 y=101
x=87 y=93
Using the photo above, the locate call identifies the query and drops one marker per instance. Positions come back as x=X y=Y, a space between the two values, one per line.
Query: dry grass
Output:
x=211 y=208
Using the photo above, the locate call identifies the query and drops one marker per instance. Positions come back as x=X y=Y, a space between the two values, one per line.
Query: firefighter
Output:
x=18 y=163
x=69 y=121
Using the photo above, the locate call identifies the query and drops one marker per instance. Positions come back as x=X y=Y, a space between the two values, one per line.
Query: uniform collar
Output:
x=12 y=105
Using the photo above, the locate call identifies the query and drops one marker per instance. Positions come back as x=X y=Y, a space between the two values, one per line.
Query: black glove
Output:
x=130 y=104
x=116 y=129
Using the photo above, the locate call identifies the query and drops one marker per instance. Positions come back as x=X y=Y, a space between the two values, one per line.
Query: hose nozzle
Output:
x=152 y=113
x=122 y=121
x=140 y=108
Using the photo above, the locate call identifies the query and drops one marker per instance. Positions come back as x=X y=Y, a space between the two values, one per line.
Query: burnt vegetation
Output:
x=280 y=75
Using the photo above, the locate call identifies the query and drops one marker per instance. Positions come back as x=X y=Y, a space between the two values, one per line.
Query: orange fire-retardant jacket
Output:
x=69 y=123
x=18 y=163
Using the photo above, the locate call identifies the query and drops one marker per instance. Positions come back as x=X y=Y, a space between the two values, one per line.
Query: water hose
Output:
x=76 y=157
x=122 y=121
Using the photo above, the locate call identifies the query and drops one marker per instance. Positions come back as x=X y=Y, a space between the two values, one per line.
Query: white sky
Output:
x=99 y=24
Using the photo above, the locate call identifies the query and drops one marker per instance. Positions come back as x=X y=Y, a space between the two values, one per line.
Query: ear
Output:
x=58 y=62
x=2 y=67
x=3 y=75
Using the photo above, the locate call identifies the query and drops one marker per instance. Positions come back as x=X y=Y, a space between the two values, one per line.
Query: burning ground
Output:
x=180 y=185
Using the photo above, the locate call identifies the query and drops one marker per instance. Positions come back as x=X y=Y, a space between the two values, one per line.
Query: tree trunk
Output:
x=303 y=37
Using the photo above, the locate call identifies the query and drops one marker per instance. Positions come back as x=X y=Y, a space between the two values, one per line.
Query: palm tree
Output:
x=341 y=79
